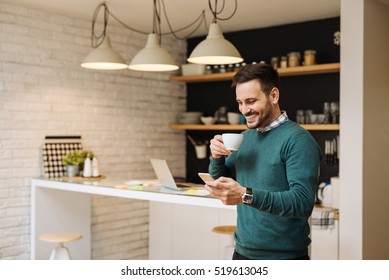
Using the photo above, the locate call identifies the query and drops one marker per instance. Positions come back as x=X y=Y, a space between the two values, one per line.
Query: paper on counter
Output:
x=144 y=183
x=200 y=192
x=139 y=185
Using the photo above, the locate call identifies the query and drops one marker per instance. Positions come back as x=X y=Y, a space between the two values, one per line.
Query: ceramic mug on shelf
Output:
x=201 y=151
x=233 y=118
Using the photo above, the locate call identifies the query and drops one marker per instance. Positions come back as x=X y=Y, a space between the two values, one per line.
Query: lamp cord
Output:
x=215 y=12
x=96 y=40
x=99 y=38
x=157 y=19
x=200 y=19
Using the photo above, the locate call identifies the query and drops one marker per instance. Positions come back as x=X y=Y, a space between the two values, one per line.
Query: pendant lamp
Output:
x=215 y=50
x=152 y=57
x=104 y=58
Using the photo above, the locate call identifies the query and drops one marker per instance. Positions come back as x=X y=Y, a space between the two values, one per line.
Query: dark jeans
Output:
x=238 y=256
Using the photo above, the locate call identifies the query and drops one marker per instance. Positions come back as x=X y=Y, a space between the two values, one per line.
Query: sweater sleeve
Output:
x=217 y=168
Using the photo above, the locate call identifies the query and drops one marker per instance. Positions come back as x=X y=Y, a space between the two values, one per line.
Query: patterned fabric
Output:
x=323 y=219
x=53 y=150
x=280 y=120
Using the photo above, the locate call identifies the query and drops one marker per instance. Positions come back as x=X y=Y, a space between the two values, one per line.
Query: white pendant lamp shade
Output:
x=104 y=58
x=215 y=50
x=152 y=57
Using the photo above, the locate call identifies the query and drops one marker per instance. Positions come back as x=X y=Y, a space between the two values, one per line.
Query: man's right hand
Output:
x=217 y=147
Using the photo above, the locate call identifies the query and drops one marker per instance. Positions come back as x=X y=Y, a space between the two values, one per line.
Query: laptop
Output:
x=166 y=179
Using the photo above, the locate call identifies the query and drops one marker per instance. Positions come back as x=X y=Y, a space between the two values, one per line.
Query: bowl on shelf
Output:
x=208 y=120
x=190 y=117
x=233 y=118
x=193 y=114
x=189 y=121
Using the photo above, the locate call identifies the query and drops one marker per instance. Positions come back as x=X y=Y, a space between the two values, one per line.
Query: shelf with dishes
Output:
x=283 y=72
x=241 y=127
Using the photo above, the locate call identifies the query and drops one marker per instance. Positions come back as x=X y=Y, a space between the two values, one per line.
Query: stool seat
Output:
x=60 y=252
x=224 y=229
x=228 y=230
x=60 y=237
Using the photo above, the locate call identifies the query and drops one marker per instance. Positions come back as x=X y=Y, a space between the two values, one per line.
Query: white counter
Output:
x=65 y=205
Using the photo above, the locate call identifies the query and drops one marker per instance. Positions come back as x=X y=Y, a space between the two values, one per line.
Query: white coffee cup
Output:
x=232 y=141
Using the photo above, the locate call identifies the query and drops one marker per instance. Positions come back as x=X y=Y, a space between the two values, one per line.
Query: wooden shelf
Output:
x=242 y=127
x=321 y=126
x=290 y=71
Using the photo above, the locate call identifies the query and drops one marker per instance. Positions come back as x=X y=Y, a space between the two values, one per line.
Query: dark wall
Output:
x=297 y=92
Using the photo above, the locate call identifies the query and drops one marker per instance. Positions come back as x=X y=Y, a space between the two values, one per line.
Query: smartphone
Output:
x=205 y=177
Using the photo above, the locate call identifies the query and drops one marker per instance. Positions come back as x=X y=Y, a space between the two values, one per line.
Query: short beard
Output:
x=263 y=120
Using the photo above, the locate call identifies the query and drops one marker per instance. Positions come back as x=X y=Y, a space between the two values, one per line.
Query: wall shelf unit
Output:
x=241 y=127
x=283 y=72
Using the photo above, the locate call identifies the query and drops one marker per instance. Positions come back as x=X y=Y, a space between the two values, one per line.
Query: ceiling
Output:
x=250 y=14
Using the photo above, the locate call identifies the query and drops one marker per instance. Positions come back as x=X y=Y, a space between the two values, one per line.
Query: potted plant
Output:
x=85 y=154
x=72 y=160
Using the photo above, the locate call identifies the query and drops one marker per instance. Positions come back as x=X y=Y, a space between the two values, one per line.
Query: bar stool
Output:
x=60 y=252
x=229 y=249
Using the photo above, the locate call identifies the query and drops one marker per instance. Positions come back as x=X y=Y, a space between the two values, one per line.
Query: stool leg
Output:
x=228 y=252
x=229 y=249
x=60 y=253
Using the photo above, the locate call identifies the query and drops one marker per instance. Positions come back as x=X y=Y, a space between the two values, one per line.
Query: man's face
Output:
x=254 y=104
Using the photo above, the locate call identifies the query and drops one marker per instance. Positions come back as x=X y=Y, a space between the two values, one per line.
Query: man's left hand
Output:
x=227 y=190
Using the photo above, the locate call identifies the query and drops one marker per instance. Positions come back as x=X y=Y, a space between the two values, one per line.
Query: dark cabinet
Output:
x=302 y=88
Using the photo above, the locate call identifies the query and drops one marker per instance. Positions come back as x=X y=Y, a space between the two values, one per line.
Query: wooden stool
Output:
x=60 y=252
x=229 y=249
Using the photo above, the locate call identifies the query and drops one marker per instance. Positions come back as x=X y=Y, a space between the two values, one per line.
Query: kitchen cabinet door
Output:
x=325 y=241
x=182 y=232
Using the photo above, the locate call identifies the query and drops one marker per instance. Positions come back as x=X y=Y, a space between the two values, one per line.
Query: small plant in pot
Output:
x=72 y=160
x=85 y=154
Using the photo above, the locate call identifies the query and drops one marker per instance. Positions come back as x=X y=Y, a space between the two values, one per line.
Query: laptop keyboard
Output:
x=183 y=186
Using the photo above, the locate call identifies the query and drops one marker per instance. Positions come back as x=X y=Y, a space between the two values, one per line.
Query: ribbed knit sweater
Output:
x=282 y=168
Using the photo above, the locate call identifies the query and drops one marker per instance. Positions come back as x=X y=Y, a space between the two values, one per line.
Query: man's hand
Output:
x=227 y=190
x=217 y=147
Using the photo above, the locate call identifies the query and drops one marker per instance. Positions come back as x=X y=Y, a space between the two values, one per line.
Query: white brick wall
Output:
x=122 y=116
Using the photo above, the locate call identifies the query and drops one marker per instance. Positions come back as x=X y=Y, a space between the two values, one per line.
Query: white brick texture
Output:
x=123 y=116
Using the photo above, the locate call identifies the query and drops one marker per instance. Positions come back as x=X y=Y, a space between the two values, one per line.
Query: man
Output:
x=273 y=175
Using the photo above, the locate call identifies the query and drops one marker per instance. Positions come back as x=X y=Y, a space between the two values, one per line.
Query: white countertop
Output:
x=119 y=188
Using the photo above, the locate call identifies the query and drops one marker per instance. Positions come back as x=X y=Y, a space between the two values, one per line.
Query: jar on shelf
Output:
x=208 y=69
x=308 y=118
x=293 y=59
x=300 y=118
x=326 y=112
x=274 y=62
x=309 y=57
x=284 y=62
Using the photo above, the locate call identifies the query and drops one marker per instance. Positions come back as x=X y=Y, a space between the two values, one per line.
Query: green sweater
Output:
x=282 y=168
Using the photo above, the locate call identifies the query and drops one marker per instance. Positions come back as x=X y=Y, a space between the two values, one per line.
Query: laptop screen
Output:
x=166 y=179
x=163 y=173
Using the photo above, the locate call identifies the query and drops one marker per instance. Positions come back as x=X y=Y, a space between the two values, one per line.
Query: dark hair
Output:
x=264 y=73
